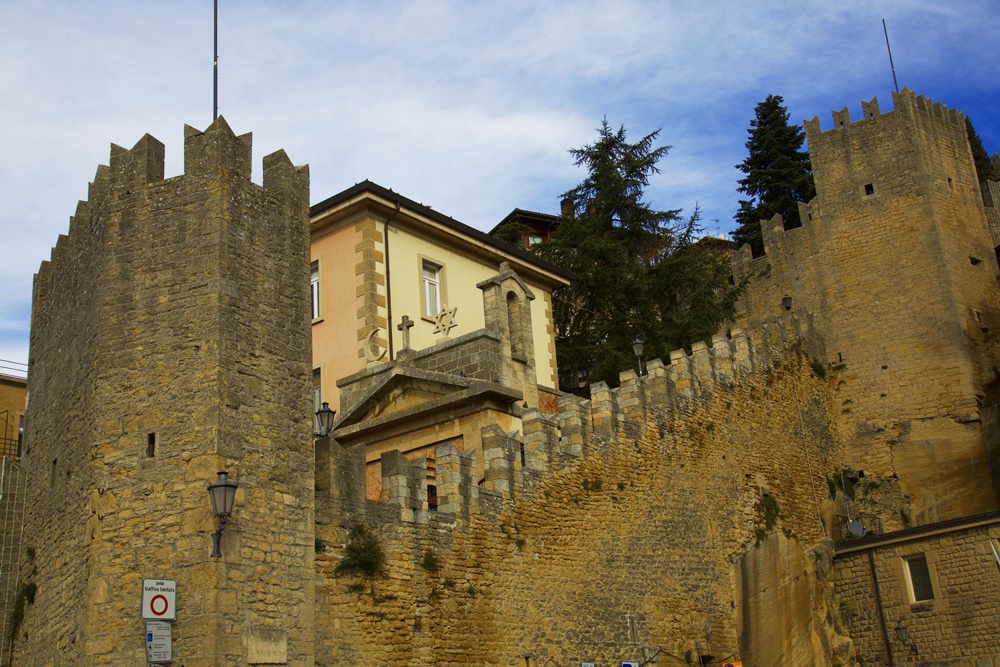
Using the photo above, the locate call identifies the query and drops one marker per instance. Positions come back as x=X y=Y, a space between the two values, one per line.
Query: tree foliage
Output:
x=640 y=272
x=778 y=173
x=984 y=166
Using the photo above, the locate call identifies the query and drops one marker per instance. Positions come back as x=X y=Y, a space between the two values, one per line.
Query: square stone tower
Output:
x=169 y=341
x=893 y=271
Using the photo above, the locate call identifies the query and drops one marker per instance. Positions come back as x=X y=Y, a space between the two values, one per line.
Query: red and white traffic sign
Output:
x=159 y=599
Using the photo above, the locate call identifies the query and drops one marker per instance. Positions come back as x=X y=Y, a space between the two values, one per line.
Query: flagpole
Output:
x=215 y=73
x=891 y=66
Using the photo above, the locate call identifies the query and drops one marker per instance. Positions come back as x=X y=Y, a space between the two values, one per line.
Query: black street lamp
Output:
x=223 y=495
x=786 y=301
x=325 y=416
x=638 y=347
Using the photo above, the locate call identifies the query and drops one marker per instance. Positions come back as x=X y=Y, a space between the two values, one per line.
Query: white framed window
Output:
x=918 y=578
x=314 y=287
x=430 y=274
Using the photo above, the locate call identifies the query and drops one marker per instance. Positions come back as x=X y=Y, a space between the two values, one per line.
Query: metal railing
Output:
x=13 y=482
x=10 y=448
x=846 y=528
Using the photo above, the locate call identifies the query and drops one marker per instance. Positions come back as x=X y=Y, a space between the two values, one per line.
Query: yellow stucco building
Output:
x=378 y=257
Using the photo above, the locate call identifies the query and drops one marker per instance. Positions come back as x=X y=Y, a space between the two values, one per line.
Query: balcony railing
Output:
x=10 y=447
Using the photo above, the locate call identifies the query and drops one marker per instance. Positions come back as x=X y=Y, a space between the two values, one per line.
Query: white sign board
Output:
x=159 y=646
x=159 y=599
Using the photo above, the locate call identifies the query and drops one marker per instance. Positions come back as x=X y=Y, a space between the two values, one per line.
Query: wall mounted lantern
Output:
x=325 y=417
x=223 y=495
x=786 y=301
x=902 y=635
x=638 y=347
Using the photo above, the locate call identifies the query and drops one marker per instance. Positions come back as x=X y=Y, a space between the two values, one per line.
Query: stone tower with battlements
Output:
x=170 y=340
x=893 y=270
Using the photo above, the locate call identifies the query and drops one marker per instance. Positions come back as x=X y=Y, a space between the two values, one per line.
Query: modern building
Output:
x=379 y=257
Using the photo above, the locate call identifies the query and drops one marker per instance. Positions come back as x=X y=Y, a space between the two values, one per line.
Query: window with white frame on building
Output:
x=431 y=274
x=314 y=286
x=918 y=576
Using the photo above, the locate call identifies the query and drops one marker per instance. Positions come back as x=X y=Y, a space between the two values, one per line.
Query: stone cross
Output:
x=404 y=328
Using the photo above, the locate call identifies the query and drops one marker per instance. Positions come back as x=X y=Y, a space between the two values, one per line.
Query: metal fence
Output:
x=12 y=501
x=10 y=448
x=847 y=528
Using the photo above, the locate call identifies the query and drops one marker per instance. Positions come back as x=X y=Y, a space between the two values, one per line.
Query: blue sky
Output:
x=467 y=106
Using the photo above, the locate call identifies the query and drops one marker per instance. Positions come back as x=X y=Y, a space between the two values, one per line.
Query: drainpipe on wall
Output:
x=878 y=608
x=388 y=283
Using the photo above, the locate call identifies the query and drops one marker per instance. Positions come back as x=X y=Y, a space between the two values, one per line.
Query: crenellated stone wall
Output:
x=170 y=340
x=894 y=269
x=615 y=530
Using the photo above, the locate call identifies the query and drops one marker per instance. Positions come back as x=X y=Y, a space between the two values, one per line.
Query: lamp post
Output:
x=786 y=301
x=325 y=417
x=637 y=347
x=223 y=495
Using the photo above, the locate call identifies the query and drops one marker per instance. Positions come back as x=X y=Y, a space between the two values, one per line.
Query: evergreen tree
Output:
x=984 y=166
x=778 y=173
x=639 y=272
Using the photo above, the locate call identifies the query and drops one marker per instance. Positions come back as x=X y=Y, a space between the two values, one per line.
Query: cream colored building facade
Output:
x=378 y=257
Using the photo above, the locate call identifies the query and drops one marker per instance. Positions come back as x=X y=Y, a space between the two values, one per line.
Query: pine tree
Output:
x=984 y=166
x=639 y=272
x=778 y=173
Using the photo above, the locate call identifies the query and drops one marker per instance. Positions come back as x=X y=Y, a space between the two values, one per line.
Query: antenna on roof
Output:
x=891 y=66
x=215 y=73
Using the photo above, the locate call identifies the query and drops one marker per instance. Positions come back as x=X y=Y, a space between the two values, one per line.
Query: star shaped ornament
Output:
x=445 y=320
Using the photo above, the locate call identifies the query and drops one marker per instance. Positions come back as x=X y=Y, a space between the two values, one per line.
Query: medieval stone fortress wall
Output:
x=670 y=478
x=895 y=271
x=170 y=341
x=706 y=510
